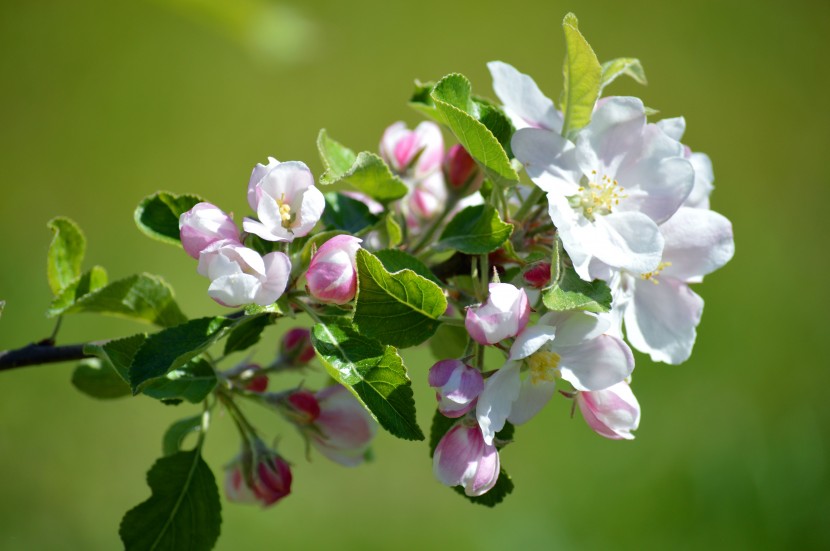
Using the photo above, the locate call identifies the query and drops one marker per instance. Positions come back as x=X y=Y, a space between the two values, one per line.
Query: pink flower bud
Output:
x=462 y=458
x=461 y=169
x=205 y=224
x=456 y=385
x=254 y=380
x=240 y=276
x=332 y=274
x=428 y=197
x=420 y=150
x=612 y=413
x=258 y=475
x=296 y=348
x=344 y=430
x=304 y=407
x=538 y=275
x=503 y=315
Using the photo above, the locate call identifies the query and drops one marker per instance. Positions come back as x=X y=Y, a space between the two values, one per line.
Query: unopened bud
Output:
x=296 y=348
x=461 y=170
x=538 y=275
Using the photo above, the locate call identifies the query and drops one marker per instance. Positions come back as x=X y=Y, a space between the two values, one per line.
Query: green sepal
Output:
x=400 y=308
x=65 y=255
x=373 y=372
x=157 y=215
x=475 y=230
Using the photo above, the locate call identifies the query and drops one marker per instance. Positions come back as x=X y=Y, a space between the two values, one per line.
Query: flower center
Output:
x=652 y=276
x=543 y=366
x=597 y=197
x=285 y=212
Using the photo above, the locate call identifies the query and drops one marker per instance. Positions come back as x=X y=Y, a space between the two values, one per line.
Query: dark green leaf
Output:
x=375 y=373
x=142 y=297
x=192 y=382
x=247 y=332
x=118 y=354
x=174 y=436
x=98 y=379
x=66 y=253
x=158 y=215
x=475 y=230
x=496 y=495
x=450 y=341
x=395 y=260
x=365 y=172
x=182 y=514
x=90 y=281
x=582 y=74
x=572 y=293
x=345 y=213
x=401 y=309
x=622 y=66
x=421 y=101
x=171 y=348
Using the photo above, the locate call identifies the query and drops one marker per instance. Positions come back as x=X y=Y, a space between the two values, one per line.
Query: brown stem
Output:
x=41 y=353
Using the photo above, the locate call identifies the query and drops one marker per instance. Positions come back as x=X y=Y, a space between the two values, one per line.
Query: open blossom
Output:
x=240 y=276
x=205 y=224
x=612 y=413
x=258 y=475
x=463 y=458
x=457 y=385
x=609 y=191
x=285 y=201
x=574 y=345
x=413 y=153
x=503 y=315
x=659 y=309
x=332 y=273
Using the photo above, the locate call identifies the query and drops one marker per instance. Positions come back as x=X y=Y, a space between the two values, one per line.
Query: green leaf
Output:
x=174 y=436
x=90 y=281
x=503 y=487
x=582 y=74
x=158 y=215
x=375 y=374
x=183 y=512
x=393 y=230
x=475 y=230
x=572 y=293
x=99 y=380
x=118 y=354
x=628 y=66
x=395 y=260
x=66 y=253
x=365 y=172
x=401 y=309
x=345 y=213
x=192 y=382
x=247 y=332
x=463 y=116
x=421 y=101
x=171 y=348
x=450 y=341
x=142 y=297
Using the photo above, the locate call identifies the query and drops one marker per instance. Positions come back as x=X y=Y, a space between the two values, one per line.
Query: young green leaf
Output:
x=421 y=101
x=475 y=230
x=171 y=348
x=345 y=213
x=98 y=379
x=90 y=281
x=572 y=293
x=158 y=215
x=375 y=374
x=141 y=297
x=247 y=332
x=192 y=382
x=66 y=253
x=401 y=308
x=365 y=172
x=453 y=100
x=183 y=511
x=582 y=74
x=174 y=436
x=628 y=66
x=395 y=260
x=393 y=230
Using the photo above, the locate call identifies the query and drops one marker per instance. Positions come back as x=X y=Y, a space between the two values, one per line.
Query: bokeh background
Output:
x=102 y=103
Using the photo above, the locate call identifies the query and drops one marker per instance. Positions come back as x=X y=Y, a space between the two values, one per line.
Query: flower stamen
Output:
x=597 y=197
x=652 y=276
x=543 y=366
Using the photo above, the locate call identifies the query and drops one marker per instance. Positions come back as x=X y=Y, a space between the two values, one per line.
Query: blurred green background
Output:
x=102 y=103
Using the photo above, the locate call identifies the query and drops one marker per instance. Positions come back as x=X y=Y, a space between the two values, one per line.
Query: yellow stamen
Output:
x=652 y=276
x=543 y=366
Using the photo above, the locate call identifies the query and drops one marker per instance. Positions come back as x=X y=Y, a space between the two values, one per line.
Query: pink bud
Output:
x=461 y=169
x=258 y=475
x=456 y=385
x=612 y=413
x=305 y=408
x=296 y=347
x=462 y=458
x=344 y=430
x=205 y=224
x=332 y=274
x=428 y=197
x=254 y=380
x=538 y=275
x=503 y=315
x=419 y=151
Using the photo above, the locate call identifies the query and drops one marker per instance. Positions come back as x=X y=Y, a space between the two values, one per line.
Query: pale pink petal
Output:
x=596 y=364
x=698 y=242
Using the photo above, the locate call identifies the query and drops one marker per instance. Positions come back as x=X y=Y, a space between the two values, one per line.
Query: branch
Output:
x=42 y=352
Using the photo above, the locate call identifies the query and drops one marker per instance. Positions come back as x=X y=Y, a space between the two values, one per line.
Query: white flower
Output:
x=285 y=201
x=572 y=345
x=522 y=100
x=609 y=192
x=241 y=276
x=699 y=197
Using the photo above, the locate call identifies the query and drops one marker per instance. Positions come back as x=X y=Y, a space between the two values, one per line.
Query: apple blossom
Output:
x=522 y=99
x=613 y=412
x=241 y=276
x=296 y=348
x=258 y=475
x=456 y=385
x=413 y=153
x=704 y=176
x=463 y=458
x=503 y=315
x=332 y=274
x=285 y=201
x=205 y=224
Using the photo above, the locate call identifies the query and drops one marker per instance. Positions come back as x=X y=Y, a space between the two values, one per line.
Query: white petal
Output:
x=629 y=241
x=614 y=131
x=530 y=340
x=234 y=290
x=661 y=319
x=277 y=273
x=532 y=398
x=495 y=403
x=673 y=128
x=698 y=242
x=576 y=327
x=289 y=179
x=704 y=176
x=596 y=364
x=549 y=160
x=311 y=210
x=274 y=233
x=524 y=103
